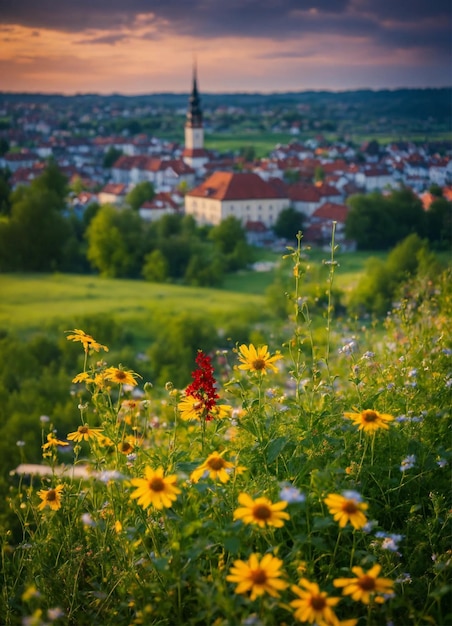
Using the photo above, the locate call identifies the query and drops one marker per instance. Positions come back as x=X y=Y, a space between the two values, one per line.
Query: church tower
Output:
x=194 y=153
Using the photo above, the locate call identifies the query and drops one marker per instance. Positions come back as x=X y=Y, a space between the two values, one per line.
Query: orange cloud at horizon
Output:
x=143 y=61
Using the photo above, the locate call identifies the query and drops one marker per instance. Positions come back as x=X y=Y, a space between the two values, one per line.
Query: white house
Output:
x=244 y=196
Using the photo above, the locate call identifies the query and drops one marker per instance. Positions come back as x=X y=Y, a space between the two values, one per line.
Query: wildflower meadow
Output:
x=305 y=481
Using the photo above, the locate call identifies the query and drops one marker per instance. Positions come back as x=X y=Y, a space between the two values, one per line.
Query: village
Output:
x=314 y=176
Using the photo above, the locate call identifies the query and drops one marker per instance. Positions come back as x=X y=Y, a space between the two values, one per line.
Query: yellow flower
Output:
x=366 y=586
x=369 y=421
x=127 y=445
x=87 y=341
x=190 y=408
x=261 y=511
x=84 y=433
x=50 y=498
x=155 y=489
x=347 y=508
x=216 y=466
x=313 y=605
x=83 y=377
x=258 y=577
x=221 y=411
x=257 y=360
x=122 y=377
x=52 y=441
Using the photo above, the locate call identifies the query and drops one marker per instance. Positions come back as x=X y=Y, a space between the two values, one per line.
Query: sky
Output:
x=150 y=46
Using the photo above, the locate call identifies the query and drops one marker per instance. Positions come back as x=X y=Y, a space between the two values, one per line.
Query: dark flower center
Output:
x=258 y=576
x=120 y=375
x=259 y=364
x=83 y=430
x=156 y=484
x=318 y=603
x=126 y=447
x=216 y=464
x=367 y=583
x=350 y=507
x=51 y=495
x=370 y=416
x=262 y=512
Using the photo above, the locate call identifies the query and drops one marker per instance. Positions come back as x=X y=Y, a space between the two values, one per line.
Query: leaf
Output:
x=275 y=447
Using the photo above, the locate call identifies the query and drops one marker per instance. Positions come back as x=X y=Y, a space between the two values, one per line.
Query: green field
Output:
x=30 y=302
x=263 y=142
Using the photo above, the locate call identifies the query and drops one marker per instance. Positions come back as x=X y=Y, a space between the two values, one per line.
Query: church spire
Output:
x=194 y=113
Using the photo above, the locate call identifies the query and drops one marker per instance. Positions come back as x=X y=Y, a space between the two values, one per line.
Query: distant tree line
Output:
x=379 y=221
x=39 y=232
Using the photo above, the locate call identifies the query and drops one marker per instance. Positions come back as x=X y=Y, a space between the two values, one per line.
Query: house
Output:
x=162 y=204
x=14 y=161
x=113 y=194
x=243 y=195
x=304 y=197
x=320 y=226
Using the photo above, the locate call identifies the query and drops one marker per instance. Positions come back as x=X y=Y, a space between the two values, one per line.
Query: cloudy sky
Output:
x=145 y=46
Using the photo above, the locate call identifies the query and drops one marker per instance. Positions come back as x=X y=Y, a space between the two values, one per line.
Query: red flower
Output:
x=203 y=385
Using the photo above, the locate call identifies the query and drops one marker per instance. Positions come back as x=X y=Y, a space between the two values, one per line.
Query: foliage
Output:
x=111 y=156
x=229 y=238
x=379 y=285
x=253 y=528
x=288 y=223
x=142 y=192
x=114 y=242
x=378 y=222
x=35 y=209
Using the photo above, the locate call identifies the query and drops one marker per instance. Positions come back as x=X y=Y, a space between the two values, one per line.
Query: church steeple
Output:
x=194 y=113
x=194 y=154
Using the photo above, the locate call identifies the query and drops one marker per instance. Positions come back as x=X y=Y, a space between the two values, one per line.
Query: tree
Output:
x=369 y=222
x=439 y=223
x=155 y=268
x=142 y=192
x=229 y=238
x=115 y=242
x=377 y=288
x=288 y=223
x=319 y=174
x=5 y=193
x=111 y=156
x=33 y=237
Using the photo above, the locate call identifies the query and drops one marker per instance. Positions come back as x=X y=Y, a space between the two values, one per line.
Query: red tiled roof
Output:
x=331 y=211
x=235 y=186
x=326 y=190
x=117 y=189
x=304 y=192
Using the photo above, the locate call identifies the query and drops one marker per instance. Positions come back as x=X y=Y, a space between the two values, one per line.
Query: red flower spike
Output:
x=203 y=385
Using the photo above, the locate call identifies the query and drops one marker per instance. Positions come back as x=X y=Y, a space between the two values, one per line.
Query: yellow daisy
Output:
x=215 y=466
x=347 y=508
x=261 y=511
x=313 y=605
x=84 y=433
x=191 y=408
x=50 y=498
x=156 y=489
x=53 y=442
x=83 y=377
x=127 y=445
x=120 y=376
x=370 y=421
x=257 y=359
x=258 y=577
x=86 y=340
x=366 y=586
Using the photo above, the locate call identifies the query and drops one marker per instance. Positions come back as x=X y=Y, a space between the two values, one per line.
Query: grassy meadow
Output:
x=302 y=479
